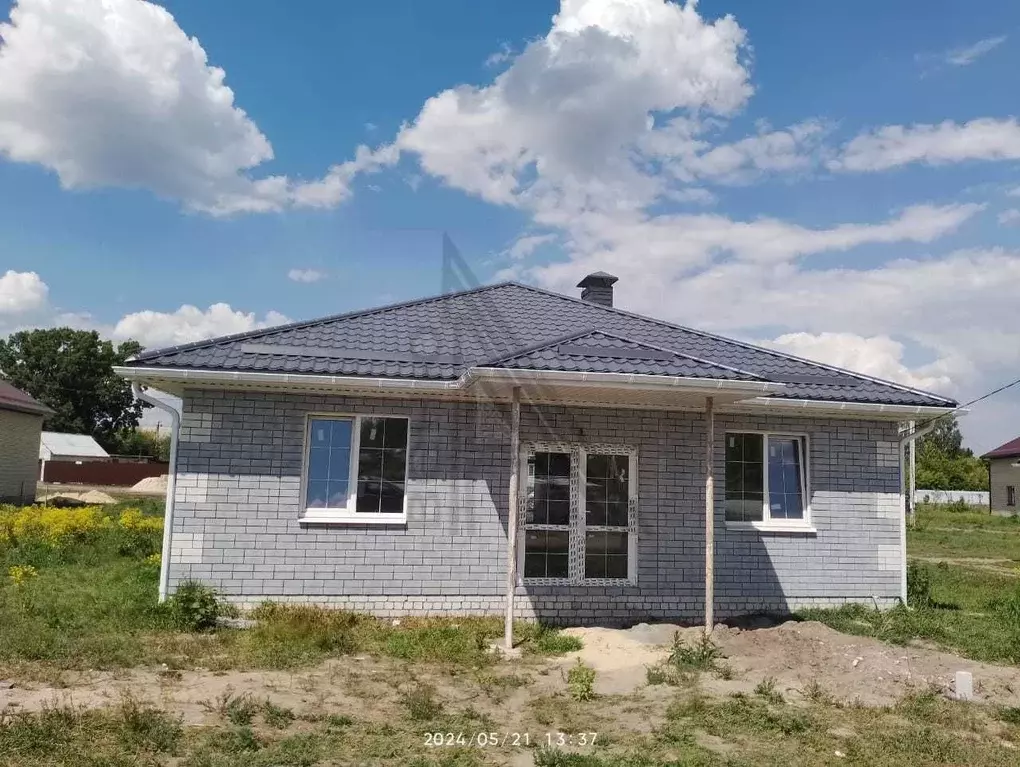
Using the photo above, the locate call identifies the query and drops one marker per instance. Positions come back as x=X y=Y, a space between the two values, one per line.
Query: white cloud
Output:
x=656 y=250
x=931 y=302
x=114 y=93
x=1010 y=217
x=21 y=292
x=528 y=244
x=504 y=54
x=1015 y=192
x=795 y=148
x=24 y=305
x=877 y=356
x=968 y=54
x=189 y=323
x=305 y=275
x=895 y=145
x=562 y=126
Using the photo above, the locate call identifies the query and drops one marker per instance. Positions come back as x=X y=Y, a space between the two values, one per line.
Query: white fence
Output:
x=970 y=497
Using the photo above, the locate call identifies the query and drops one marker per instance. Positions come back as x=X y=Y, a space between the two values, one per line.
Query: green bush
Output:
x=702 y=655
x=194 y=607
x=919 y=586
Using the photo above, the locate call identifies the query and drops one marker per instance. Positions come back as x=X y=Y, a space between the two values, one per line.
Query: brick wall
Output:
x=19 y=456
x=238 y=503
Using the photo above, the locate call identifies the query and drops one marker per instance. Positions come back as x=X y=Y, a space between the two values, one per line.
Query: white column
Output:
x=709 y=514
x=911 y=481
x=511 y=523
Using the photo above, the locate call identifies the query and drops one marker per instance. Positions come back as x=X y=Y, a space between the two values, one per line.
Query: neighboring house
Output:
x=79 y=448
x=21 y=419
x=365 y=461
x=1004 y=476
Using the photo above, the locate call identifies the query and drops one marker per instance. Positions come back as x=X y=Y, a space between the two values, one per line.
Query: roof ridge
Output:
x=597 y=332
x=657 y=347
x=536 y=347
x=743 y=344
x=148 y=354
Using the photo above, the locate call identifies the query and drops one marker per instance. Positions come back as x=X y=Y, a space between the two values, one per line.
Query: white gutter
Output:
x=242 y=376
x=850 y=407
x=171 y=484
x=628 y=380
x=910 y=436
x=510 y=376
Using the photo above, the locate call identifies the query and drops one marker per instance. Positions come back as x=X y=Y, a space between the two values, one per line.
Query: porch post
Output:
x=912 y=482
x=511 y=531
x=709 y=514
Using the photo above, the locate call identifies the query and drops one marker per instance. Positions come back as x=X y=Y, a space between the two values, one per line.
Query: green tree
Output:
x=943 y=463
x=71 y=371
x=138 y=442
x=945 y=439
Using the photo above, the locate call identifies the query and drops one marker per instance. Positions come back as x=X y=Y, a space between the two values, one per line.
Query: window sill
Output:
x=773 y=527
x=320 y=518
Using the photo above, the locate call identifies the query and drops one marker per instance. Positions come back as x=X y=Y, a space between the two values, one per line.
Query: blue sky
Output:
x=831 y=179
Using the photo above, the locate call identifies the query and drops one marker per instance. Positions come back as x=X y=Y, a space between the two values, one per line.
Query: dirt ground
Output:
x=795 y=654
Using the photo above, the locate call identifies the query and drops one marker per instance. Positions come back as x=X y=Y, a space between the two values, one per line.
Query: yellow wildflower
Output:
x=21 y=573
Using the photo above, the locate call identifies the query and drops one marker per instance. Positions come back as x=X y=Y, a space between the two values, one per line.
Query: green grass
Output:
x=941 y=532
x=970 y=593
x=691 y=729
x=92 y=605
x=130 y=735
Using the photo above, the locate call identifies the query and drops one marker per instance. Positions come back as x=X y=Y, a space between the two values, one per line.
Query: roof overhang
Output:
x=33 y=408
x=537 y=386
x=613 y=389
x=857 y=409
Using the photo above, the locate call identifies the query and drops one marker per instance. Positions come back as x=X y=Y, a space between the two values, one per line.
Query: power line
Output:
x=972 y=402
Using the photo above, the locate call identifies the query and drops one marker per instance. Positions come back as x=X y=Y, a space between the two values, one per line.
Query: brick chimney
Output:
x=597 y=287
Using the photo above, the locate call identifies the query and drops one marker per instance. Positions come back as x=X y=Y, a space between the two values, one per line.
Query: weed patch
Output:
x=581 y=681
x=766 y=690
x=421 y=703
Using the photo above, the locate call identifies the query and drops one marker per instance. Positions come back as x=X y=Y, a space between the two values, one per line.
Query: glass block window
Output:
x=355 y=467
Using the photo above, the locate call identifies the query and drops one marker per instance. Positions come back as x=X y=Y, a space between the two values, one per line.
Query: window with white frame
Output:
x=1010 y=495
x=766 y=479
x=579 y=514
x=355 y=468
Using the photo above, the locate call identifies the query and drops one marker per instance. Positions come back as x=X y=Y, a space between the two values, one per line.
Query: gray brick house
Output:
x=512 y=446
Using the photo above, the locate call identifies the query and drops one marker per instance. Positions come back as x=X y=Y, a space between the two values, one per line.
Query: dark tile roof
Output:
x=1008 y=450
x=15 y=399
x=439 y=338
x=598 y=352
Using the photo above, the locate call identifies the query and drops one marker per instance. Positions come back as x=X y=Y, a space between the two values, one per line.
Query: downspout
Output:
x=909 y=438
x=171 y=483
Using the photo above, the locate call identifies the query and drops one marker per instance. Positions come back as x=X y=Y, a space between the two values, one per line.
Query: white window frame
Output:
x=348 y=515
x=782 y=525
x=577 y=527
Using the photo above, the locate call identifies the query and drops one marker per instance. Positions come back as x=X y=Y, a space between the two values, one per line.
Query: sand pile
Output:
x=151 y=484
